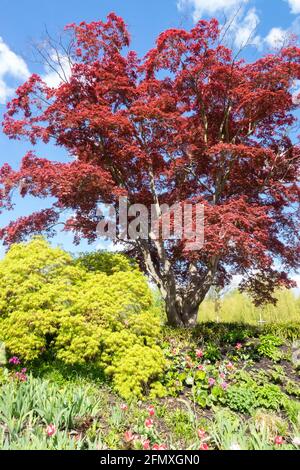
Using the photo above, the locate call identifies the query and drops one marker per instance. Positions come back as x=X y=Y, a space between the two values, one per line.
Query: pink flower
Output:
x=151 y=410
x=146 y=445
x=199 y=353
x=200 y=367
x=124 y=407
x=224 y=385
x=14 y=360
x=128 y=436
x=230 y=366
x=204 y=447
x=222 y=376
x=174 y=351
x=159 y=447
x=149 y=423
x=201 y=434
x=162 y=447
x=21 y=376
x=51 y=430
x=279 y=440
x=211 y=382
x=238 y=346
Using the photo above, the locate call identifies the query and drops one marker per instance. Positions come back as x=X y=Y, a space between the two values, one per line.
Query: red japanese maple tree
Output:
x=189 y=122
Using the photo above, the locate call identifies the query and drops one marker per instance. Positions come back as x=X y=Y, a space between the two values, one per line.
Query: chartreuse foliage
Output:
x=97 y=308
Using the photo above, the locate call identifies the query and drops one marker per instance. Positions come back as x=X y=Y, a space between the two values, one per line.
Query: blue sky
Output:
x=22 y=22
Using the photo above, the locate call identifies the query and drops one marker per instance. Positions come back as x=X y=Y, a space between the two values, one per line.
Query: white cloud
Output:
x=276 y=37
x=210 y=7
x=245 y=30
x=58 y=71
x=296 y=100
x=11 y=65
x=279 y=37
x=242 y=25
x=295 y=6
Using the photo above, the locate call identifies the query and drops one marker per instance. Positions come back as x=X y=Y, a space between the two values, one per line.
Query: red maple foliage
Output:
x=189 y=122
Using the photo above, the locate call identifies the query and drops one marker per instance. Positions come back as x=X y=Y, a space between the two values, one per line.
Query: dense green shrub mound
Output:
x=97 y=308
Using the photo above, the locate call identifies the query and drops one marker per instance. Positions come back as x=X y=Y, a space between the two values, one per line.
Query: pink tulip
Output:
x=279 y=440
x=128 y=436
x=146 y=445
x=151 y=410
x=149 y=423
x=51 y=430
x=204 y=447
x=159 y=447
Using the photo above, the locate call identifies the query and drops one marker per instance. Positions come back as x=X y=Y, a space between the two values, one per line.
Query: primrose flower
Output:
x=204 y=446
x=149 y=423
x=199 y=353
x=211 y=382
x=124 y=407
x=224 y=385
x=239 y=346
x=201 y=367
x=51 y=430
x=230 y=366
x=278 y=440
x=14 y=360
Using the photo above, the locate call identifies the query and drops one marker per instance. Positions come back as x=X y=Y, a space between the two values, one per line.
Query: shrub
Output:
x=88 y=309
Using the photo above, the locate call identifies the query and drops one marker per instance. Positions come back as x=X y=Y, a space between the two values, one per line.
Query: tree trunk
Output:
x=182 y=308
x=179 y=313
x=178 y=317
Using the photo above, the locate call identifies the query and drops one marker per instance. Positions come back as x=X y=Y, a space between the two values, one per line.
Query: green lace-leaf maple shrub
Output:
x=96 y=308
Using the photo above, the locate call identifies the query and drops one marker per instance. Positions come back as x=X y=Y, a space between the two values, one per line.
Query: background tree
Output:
x=189 y=122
